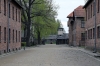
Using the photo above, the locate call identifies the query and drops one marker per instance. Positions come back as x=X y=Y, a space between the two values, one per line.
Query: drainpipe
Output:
x=75 y=31
x=8 y=25
x=95 y=48
x=74 y=19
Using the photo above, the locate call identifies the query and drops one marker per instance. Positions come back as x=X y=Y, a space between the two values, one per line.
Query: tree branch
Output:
x=32 y=2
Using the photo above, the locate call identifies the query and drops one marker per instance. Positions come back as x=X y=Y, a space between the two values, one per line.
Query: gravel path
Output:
x=49 y=55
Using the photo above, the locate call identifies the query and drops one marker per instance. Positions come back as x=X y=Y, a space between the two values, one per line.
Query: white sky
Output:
x=65 y=8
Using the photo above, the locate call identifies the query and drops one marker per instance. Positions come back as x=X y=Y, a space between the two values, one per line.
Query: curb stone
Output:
x=97 y=54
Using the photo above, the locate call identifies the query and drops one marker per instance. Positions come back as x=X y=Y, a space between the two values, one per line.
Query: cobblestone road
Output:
x=49 y=55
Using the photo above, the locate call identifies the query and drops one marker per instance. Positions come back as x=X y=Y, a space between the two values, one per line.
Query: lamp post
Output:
x=95 y=48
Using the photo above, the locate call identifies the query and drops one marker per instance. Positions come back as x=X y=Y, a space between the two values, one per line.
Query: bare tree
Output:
x=26 y=17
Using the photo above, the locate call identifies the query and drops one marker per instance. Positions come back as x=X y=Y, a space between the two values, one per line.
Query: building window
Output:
x=82 y=36
x=93 y=8
x=93 y=32
x=9 y=35
x=19 y=36
x=4 y=34
x=16 y=14
x=98 y=6
x=82 y=24
x=91 y=11
x=9 y=10
x=60 y=29
x=98 y=31
x=88 y=12
x=19 y=16
x=86 y=15
x=16 y=35
x=88 y=34
x=85 y=34
x=13 y=36
x=0 y=34
x=4 y=7
x=0 y=6
x=13 y=12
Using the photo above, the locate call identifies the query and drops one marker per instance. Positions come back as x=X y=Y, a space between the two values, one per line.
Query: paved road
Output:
x=49 y=55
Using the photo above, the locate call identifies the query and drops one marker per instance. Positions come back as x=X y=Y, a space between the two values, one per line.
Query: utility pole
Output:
x=95 y=48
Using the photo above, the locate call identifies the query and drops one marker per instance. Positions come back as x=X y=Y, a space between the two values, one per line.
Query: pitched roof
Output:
x=79 y=12
x=70 y=15
x=52 y=37
x=64 y=36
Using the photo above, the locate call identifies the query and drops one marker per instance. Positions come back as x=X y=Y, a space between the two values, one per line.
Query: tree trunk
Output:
x=39 y=38
x=28 y=31
x=28 y=36
x=28 y=25
x=25 y=32
x=27 y=17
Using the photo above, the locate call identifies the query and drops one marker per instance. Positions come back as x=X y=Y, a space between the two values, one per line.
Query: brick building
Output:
x=92 y=23
x=76 y=26
x=10 y=26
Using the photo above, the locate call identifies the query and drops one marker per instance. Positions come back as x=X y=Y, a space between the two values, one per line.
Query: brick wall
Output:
x=13 y=25
x=70 y=31
x=75 y=31
x=90 y=24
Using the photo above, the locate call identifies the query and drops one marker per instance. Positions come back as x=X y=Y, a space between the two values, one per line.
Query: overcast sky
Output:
x=65 y=8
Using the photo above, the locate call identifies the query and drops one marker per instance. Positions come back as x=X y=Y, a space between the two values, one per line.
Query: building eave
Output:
x=76 y=17
x=17 y=3
x=69 y=17
x=87 y=3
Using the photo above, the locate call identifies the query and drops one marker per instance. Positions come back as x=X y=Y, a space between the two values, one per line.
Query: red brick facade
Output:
x=14 y=23
x=90 y=24
x=76 y=27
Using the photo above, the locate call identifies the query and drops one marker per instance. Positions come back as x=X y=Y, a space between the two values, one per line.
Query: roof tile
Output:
x=79 y=12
